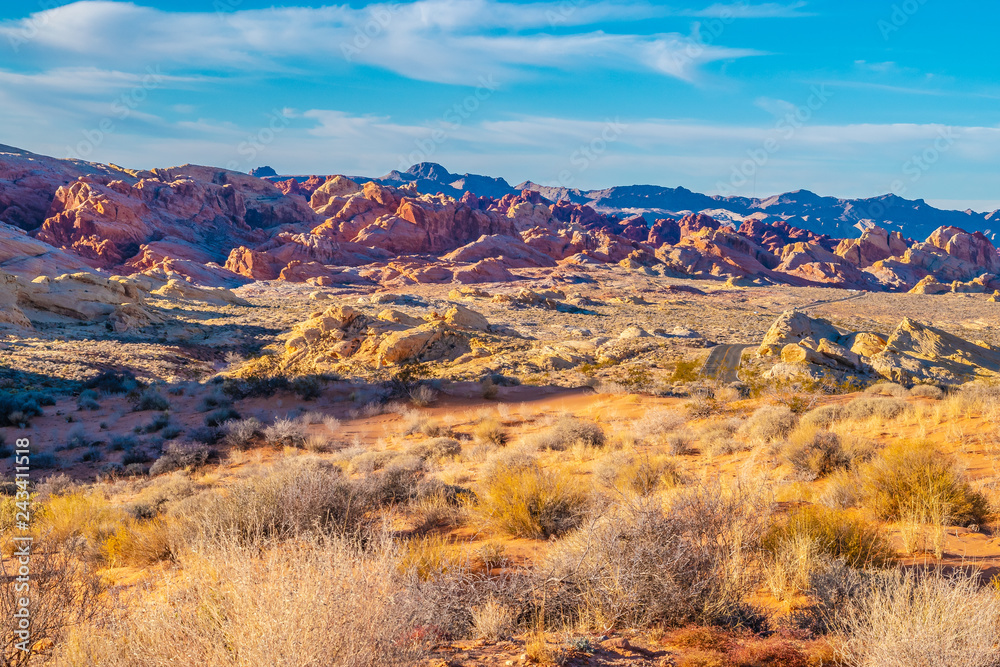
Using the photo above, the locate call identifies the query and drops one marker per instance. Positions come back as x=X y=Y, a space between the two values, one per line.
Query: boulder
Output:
x=179 y=289
x=930 y=285
x=918 y=352
x=840 y=354
x=399 y=317
x=792 y=327
x=465 y=318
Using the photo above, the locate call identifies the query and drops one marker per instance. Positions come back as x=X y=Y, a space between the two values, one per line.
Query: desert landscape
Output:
x=410 y=429
x=311 y=399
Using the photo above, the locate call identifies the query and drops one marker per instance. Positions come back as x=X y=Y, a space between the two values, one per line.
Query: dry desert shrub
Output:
x=322 y=602
x=914 y=617
x=285 y=433
x=422 y=396
x=639 y=563
x=436 y=449
x=876 y=408
x=642 y=475
x=569 y=431
x=888 y=389
x=178 y=455
x=812 y=539
x=842 y=491
x=813 y=453
x=927 y=391
x=493 y=620
x=518 y=497
x=656 y=425
x=908 y=477
x=64 y=594
x=490 y=432
x=836 y=534
x=297 y=496
x=823 y=416
x=768 y=424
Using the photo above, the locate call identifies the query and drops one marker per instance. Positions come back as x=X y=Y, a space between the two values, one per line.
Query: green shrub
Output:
x=221 y=416
x=836 y=534
x=151 y=399
x=527 y=501
x=916 y=477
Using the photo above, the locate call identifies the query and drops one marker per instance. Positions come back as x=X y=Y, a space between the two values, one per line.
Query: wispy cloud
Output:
x=444 y=41
x=748 y=10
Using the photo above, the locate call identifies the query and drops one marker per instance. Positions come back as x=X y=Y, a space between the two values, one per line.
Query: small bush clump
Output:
x=927 y=391
x=769 y=423
x=285 y=433
x=916 y=478
x=640 y=563
x=110 y=382
x=436 y=449
x=824 y=416
x=524 y=500
x=490 y=431
x=570 y=431
x=151 y=399
x=869 y=407
x=916 y=617
x=892 y=389
x=813 y=453
x=221 y=416
x=240 y=433
x=836 y=534
x=178 y=455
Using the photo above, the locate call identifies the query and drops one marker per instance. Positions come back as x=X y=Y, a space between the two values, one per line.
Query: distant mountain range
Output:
x=802 y=208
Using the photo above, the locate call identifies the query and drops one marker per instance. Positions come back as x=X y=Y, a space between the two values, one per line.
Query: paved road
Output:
x=826 y=301
x=723 y=362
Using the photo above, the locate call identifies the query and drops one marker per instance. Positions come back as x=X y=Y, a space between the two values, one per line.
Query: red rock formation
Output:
x=252 y=264
x=874 y=245
x=664 y=230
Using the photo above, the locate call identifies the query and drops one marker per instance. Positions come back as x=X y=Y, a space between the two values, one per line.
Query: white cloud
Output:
x=445 y=41
x=750 y=11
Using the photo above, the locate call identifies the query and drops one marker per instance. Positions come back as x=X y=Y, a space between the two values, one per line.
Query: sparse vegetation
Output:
x=916 y=476
x=524 y=500
x=769 y=423
x=568 y=431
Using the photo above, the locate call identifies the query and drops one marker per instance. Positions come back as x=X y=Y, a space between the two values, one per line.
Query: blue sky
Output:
x=845 y=98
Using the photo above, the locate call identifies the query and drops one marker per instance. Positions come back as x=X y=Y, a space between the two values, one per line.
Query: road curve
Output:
x=723 y=363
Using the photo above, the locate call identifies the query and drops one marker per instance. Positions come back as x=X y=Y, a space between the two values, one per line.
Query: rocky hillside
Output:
x=802 y=209
x=206 y=226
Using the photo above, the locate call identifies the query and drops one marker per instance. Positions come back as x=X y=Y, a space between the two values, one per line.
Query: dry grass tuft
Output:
x=910 y=477
x=524 y=500
x=912 y=617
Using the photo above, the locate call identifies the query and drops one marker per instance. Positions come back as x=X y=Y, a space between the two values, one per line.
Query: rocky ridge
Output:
x=212 y=227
